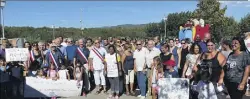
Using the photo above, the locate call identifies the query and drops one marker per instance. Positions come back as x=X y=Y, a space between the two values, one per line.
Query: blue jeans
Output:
x=141 y=79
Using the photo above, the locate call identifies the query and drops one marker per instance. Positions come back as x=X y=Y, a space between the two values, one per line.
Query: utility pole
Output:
x=165 y=27
x=81 y=21
x=2 y=4
x=53 y=27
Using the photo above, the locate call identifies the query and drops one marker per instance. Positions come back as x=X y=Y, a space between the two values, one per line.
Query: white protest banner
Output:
x=38 y=87
x=16 y=54
x=173 y=88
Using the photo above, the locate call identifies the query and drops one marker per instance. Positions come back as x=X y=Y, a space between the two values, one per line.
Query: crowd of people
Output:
x=123 y=65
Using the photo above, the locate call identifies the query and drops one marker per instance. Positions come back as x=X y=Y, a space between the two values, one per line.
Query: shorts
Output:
x=130 y=77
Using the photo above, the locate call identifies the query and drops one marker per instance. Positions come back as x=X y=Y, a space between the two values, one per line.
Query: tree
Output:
x=245 y=24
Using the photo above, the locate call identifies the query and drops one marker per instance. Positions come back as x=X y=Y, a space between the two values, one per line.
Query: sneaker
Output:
x=142 y=97
x=139 y=96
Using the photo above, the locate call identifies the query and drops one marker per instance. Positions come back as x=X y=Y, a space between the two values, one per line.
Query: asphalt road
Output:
x=104 y=96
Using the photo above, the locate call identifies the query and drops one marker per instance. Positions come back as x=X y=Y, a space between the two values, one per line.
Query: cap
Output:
x=169 y=63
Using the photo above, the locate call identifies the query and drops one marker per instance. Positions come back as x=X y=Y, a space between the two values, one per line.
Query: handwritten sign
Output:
x=17 y=54
x=39 y=87
x=173 y=88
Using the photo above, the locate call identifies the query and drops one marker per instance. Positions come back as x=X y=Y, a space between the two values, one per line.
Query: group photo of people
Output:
x=120 y=66
x=125 y=50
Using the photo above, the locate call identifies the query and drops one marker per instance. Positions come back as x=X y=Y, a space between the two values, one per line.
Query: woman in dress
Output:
x=193 y=55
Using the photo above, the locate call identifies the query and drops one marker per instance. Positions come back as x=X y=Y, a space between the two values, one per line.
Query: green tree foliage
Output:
x=245 y=24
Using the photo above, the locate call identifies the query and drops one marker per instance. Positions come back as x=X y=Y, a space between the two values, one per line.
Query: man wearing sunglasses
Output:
x=96 y=63
x=140 y=67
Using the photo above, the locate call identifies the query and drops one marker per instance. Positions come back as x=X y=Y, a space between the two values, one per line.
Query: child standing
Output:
x=156 y=75
x=52 y=73
x=63 y=73
x=170 y=72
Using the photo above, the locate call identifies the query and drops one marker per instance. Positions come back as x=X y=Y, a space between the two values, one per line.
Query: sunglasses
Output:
x=210 y=45
x=183 y=43
x=96 y=42
x=138 y=44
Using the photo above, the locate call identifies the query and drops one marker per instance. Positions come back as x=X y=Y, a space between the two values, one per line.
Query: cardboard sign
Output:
x=16 y=54
x=173 y=88
x=39 y=87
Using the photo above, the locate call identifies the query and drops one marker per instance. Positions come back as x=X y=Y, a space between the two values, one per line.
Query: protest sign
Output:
x=38 y=87
x=17 y=54
x=173 y=88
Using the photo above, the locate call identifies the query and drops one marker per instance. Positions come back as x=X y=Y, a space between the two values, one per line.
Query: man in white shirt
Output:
x=140 y=67
x=151 y=52
x=96 y=59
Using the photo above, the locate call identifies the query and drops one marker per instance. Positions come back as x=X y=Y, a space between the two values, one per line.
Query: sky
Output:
x=102 y=13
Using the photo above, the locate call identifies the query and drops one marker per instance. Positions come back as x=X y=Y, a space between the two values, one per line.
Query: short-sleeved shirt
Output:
x=71 y=52
x=235 y=67
x=150 y=56
x=97 y=62
x=140 y=58
x=112 y=64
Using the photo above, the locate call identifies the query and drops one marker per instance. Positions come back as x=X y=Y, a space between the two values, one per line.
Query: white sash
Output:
x=53 y=59
x=98 y=54
x=32 y=56
x=81 y=53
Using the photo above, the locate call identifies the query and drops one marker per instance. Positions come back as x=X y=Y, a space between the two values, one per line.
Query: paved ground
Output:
x=104 y=96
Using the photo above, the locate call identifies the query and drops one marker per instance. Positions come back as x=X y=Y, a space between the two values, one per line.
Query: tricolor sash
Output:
x=98 y=54
x=82 y=55
x=32 y=57
x=53 y=59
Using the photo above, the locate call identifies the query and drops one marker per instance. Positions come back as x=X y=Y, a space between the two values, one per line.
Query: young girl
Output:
x=78 y=73
x=52 y=72
x=156 y=75
x=170 y=72
x=63 y=73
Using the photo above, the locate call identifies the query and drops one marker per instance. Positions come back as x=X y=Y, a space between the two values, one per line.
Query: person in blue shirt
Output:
x=170 y=72
x=71 y=52
x=61 y=49
x=56 y=55
x=202 y=44
x=157 y=42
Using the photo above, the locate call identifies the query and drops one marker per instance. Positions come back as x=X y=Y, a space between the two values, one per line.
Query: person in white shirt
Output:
x=64 y=43
x=151 y=52
x=96 y=59
x=113 y=71
x=63 y=73
x=140 y=67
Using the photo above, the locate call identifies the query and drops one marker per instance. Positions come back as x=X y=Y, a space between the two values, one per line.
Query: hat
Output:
x=169 y=63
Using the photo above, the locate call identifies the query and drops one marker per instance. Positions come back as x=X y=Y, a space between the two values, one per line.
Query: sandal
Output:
x=98 y=91
x=105 y=91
